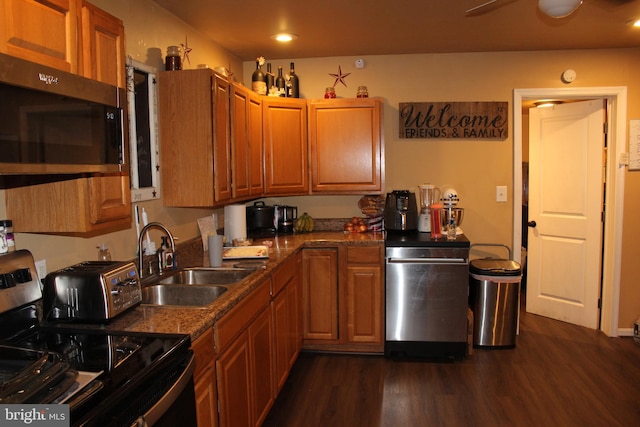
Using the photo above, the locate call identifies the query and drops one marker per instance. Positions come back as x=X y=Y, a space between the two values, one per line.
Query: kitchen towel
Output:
x=235 y=222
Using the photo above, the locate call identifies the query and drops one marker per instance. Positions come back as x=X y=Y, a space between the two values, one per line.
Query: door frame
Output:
x=616 y=97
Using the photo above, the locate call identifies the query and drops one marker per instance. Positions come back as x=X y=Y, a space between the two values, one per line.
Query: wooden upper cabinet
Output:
x=42 y=32
x=256 y=145
x=285 y=146
x=84 y=206
x=69 y=35
x=240 y=151
x=194 y=115
x=103 y=56
x=346 y=146
x=221 y=139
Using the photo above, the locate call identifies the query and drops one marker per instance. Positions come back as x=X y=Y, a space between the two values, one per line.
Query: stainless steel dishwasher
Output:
x=427 y=288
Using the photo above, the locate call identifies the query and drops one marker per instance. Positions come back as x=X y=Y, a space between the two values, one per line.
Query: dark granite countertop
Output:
x=195 y=321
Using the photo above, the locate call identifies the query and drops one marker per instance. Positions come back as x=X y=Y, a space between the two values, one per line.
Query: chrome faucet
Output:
x=140 y=238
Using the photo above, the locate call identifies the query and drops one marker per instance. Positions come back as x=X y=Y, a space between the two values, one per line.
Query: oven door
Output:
x=176 y=406
x=161 y=395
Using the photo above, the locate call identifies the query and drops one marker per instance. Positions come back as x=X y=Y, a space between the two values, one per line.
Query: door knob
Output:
x=531 y=224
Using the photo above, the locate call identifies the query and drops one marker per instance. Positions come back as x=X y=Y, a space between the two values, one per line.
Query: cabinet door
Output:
x=287 y=316
x=206 y=398
x=240 y=153
x=186 y=137
x=221 y=140
x=320 y=295
x=102 y=46
x=205 y=380
x=280 y=309
x=256 y=152
x=285 y=145
x=346 y=146
x=364 y=296
x=262 y=354
x=234 y=384
x=364 y=304
x=42 y=32
x=109 y=198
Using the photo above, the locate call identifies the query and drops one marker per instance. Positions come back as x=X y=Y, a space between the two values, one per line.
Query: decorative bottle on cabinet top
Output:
x=280 y=83
x=293 y=89
x=259 y=80
x=270 y=78
x=172 y=61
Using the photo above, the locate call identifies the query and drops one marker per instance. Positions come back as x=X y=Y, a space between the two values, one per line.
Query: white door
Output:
x=566 y=170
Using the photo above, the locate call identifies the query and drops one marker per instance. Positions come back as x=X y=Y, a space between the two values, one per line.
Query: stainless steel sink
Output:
x=206 y=276
x=176 y=295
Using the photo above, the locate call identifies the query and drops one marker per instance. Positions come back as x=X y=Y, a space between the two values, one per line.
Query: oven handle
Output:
x=155 y=413
x=434 y=261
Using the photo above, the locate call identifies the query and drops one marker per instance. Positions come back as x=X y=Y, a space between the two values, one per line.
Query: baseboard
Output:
x=625 y=332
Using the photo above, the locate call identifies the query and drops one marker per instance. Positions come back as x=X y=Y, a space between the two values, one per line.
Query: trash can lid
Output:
x=494 y=267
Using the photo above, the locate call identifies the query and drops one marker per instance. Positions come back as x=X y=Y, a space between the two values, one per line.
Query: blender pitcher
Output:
x=429 y=195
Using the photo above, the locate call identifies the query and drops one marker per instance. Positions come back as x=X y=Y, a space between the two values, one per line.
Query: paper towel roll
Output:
x=235 y=222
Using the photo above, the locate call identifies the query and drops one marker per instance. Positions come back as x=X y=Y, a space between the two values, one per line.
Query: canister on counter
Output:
x=8 y=229
x=3 y=240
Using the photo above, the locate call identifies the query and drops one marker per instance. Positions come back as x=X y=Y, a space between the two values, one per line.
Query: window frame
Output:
x=139 y=194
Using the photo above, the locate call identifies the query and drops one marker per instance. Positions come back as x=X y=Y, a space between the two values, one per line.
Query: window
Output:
x=143 y=131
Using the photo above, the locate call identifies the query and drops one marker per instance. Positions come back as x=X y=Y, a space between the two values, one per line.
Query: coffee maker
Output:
x=401 y=211
x=285 y=218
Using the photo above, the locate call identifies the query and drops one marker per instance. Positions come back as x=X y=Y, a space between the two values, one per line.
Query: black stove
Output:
x=108 y=378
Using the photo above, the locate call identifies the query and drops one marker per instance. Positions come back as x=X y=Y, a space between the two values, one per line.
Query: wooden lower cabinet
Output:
x=244 y=367
x=261 y=357
x=205 y=381
x=364 y=294
x=234 y=384
x=320 y=295
x=287 y=319
x=343 y=310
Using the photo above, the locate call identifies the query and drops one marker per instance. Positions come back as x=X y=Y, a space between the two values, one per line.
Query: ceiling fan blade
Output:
x=480 y=6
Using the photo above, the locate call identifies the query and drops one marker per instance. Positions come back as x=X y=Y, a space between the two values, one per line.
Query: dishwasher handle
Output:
x=433 y=261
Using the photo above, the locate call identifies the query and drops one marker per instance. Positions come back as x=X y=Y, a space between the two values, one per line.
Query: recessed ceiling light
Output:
x=284 y=37
x=636 y=23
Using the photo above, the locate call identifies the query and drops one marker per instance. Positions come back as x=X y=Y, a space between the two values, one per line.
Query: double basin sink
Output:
x=193 y=287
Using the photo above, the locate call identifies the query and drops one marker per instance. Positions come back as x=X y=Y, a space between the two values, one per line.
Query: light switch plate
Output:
x=501 y=194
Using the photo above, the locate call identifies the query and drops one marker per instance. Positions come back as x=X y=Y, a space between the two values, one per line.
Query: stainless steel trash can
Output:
x=494 y=290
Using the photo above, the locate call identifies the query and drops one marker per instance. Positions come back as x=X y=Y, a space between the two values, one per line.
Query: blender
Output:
x=429 y=195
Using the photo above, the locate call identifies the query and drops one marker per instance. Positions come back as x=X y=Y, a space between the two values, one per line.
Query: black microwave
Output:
x=54 y=122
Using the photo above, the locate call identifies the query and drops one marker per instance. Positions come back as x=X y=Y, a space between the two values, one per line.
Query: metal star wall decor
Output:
x=339 y=77
x=186 y=49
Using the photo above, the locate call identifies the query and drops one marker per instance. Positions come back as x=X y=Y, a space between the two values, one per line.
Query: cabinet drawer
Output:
x=364 y=254
x=284 y=275
x=236 y=320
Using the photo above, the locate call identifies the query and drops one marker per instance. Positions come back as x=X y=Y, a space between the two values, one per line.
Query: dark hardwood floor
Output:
x=558 y=375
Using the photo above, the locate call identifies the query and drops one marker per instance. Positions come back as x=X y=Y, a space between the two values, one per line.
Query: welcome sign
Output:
x=461 y=120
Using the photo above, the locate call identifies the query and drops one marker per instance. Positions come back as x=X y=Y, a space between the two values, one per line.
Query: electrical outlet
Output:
x=501 y=194
x=41 y=269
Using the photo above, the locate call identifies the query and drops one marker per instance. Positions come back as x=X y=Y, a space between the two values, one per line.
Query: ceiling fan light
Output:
x=558 y=8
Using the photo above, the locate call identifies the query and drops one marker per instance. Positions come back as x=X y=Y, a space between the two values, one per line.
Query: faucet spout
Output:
x=140 y=239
